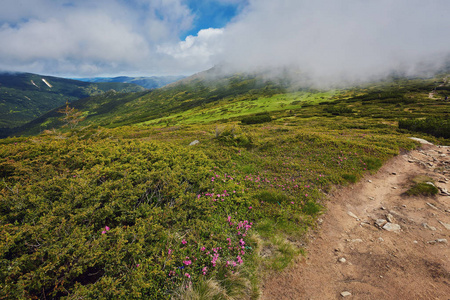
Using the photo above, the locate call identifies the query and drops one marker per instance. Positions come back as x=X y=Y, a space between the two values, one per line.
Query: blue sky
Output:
x=329 y=40
x=212 y=14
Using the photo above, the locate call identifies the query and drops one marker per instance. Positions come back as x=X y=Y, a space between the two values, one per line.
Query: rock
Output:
x=425 y=225
x=369 y=181
x=342 y=260
x=345 y=294
x=390 y=218
x=380 y=239
x=391 y=227
x=352 y=215
x=447 y=226
x=444 y=191
x=383 y=208
x=380 y=222
x=432 y=206
x=394 y=173
x=394 y=187
x=371 y=198
x=194 y=143
x=442 y=241
x=422 y=141
x=357 y=241
x=415 y=242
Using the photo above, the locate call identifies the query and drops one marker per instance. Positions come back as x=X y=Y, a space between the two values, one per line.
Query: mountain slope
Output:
x=25 y=96
x=206 y=97
x=116 y=109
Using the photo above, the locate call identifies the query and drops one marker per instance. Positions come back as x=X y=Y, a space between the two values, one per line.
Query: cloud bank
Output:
x=327 y=41
x=341 y=40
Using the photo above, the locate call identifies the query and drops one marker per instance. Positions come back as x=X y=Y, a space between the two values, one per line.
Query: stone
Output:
x=345 y=294
x=369 y=181
x=422 y=141
x=441 y=241
x=380 y=239
x=394 y=173
x=194 y=143
x=352 y=215
x=444 y=191
x=426 y=226
x=390 y=218
x=391 y=227
x=357 y=241
x=447 y=226
x=432 y=206
x=342 y=260
x=371 y=198
x=380 y=222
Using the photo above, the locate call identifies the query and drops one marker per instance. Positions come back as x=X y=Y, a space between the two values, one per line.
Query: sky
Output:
x=325 y=40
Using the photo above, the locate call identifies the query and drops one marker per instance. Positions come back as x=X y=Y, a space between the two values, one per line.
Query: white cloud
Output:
x=88 y=37
x=329 y=40
x=333 y=40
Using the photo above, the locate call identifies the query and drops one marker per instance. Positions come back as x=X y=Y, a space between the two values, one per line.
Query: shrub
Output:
x=438 y=127
x=257 y=119
x=350 y=178
x=423 y=188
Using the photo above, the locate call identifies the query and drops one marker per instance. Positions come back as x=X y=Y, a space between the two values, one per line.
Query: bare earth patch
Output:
x=375 y=242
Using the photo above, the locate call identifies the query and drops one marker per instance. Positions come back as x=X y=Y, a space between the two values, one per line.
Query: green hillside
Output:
x=125 y=206
x=24 y=96
x=201 y=100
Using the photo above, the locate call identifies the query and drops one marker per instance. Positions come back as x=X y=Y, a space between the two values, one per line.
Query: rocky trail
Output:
x=375 y=242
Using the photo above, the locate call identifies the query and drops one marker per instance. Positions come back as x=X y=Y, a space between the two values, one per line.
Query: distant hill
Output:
x=194 y=92
x=152 y=82
x=25 y=96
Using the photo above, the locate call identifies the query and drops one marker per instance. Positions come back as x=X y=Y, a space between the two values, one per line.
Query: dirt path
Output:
x=350 y=253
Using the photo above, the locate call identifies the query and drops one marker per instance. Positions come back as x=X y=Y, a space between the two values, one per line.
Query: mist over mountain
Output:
x=152 y=82
x=339 y=42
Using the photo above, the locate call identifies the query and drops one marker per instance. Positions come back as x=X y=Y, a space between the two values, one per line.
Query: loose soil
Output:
x=352 y=254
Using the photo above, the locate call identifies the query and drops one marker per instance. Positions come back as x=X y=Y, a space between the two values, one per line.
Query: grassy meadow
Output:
x=134 y=211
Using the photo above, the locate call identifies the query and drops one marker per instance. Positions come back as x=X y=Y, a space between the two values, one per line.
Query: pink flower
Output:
x=170 y=251
x=187 y=275
x=250 y=207
x=187 y=262
x=106 y=229
x=202 y=248
x=184 y=242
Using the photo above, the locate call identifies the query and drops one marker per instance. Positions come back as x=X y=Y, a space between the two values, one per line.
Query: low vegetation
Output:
x=131 y=212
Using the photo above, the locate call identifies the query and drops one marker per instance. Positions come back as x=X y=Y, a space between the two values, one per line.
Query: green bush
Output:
x=350 y=178
x=438 y=127
x=423 y=188
x=256 y=119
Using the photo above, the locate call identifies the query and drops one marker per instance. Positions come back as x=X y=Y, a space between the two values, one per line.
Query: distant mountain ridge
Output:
x=26 y=96
x=152 y=82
